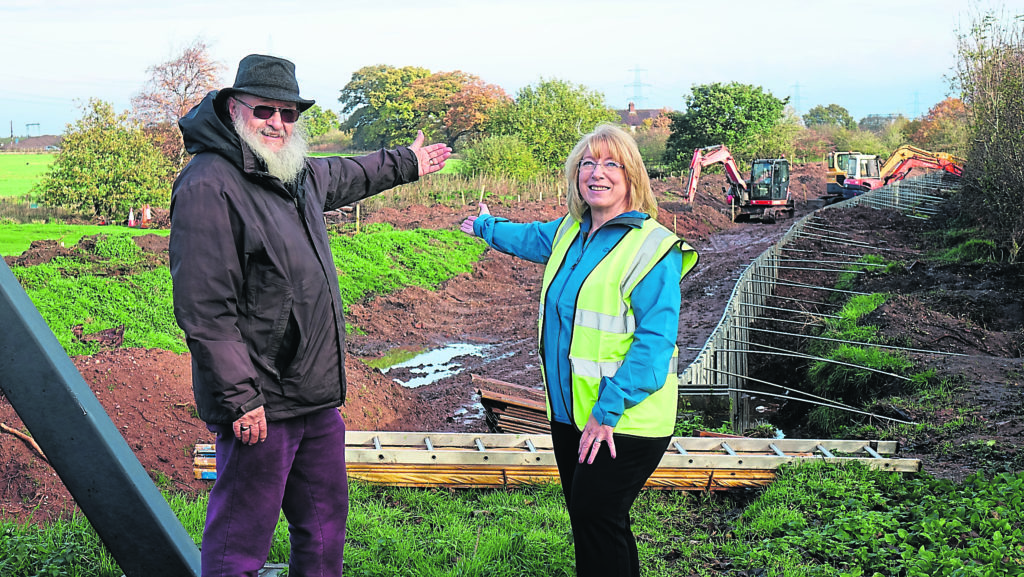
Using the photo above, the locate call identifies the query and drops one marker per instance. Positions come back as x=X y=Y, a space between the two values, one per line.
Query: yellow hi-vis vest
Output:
x=603 y=326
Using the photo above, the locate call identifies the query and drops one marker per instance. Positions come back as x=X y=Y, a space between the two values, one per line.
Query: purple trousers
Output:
x=299 y=469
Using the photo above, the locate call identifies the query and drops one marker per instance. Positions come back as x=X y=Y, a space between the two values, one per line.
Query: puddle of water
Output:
x=437 y=364
x=472 y=413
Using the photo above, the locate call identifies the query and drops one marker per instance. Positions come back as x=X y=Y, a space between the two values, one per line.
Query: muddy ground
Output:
x=147 y=393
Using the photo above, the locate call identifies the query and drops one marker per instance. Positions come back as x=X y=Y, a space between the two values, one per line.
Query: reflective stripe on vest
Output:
x=603 y=325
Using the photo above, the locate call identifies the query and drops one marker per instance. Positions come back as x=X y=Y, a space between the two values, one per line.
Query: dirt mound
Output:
x=148 y=396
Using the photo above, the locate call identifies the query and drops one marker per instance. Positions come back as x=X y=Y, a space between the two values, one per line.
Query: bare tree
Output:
x=173 y=88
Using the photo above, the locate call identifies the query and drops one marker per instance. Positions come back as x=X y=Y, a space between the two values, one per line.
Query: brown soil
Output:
x=147 y=393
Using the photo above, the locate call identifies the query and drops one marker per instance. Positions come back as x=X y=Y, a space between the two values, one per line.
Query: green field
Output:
x=18 y=172
x=17 y=238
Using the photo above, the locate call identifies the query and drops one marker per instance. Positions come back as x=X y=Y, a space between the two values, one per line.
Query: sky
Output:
x=868 y=56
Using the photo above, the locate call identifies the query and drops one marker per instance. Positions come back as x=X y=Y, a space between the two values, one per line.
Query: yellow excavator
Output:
x=835 y=165
x=866 y=172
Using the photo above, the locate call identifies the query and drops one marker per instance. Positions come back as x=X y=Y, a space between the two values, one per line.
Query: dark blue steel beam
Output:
x=84 y=447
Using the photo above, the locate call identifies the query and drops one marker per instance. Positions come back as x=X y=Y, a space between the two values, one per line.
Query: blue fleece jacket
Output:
x=656 y=302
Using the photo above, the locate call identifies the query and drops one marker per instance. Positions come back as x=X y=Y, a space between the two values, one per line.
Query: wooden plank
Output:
x=496 y=398
x=516 y=428
x=477 y=477
x=507 y=420
x=463 y=476
x=520 y=390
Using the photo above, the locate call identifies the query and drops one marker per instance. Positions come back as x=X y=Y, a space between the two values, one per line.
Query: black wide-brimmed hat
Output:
x=267 y=77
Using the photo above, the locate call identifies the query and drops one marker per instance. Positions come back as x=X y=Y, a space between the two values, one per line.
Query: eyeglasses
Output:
x=589 y=166
x=288 y=115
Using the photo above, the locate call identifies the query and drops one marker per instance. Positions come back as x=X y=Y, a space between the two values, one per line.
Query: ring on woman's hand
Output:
x=243 y=428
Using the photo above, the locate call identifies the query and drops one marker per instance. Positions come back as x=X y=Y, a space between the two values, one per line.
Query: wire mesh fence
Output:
x=721 y=367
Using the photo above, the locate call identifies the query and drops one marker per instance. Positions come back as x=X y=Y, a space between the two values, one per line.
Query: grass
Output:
x=381 y=259
x=18 y=172
x=79 y=290
x=17 y=238
x=816 y=519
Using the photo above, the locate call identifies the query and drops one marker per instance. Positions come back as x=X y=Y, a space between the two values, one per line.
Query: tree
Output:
x=730 y=114
x=895 y=135
x=831 y=115
x=863 y=141
x=389 y=105
x=651 y=136
x=454 y=106
x=316 y=121
x=814 y=142
x=878 y=123
x=943 y=128
x=780 y=140
x=550 y=118
x=173 y=88
x=990 y=75
x=106 y=166
x=381 y=112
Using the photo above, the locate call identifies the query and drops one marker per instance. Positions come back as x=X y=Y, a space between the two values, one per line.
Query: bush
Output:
x=502 y=156
x=332 y=141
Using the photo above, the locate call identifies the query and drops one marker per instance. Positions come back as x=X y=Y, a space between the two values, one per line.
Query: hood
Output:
x=207 y=129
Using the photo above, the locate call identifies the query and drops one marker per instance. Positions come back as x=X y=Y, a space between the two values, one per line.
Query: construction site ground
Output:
x=492 y=312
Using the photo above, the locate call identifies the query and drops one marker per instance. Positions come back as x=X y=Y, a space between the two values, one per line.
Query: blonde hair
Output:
x=622 y=148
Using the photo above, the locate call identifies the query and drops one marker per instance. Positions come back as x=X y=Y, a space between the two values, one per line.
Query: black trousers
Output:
x=599 y=496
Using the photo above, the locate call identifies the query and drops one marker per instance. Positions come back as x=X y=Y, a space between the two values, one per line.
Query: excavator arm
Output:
x=707 y=156
x=906 y=157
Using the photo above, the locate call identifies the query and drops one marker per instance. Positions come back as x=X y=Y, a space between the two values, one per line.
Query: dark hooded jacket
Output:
x=255 y=286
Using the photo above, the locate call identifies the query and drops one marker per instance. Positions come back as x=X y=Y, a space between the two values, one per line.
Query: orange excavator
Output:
x=863 y=173
x=765 y=197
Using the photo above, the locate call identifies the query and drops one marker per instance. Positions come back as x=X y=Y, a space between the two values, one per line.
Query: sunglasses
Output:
x=288 y=115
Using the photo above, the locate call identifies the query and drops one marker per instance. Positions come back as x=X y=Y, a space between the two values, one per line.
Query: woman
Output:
x=609 y=315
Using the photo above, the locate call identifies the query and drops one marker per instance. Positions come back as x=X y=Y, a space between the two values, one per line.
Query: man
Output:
x=256 y=292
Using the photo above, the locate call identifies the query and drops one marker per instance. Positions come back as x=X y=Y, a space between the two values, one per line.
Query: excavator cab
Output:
x=862 y=174
x=769 y=180
x=766 y=196
x=835 y=167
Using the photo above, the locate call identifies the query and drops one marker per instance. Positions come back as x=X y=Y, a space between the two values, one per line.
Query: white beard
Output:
x=286 y=163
